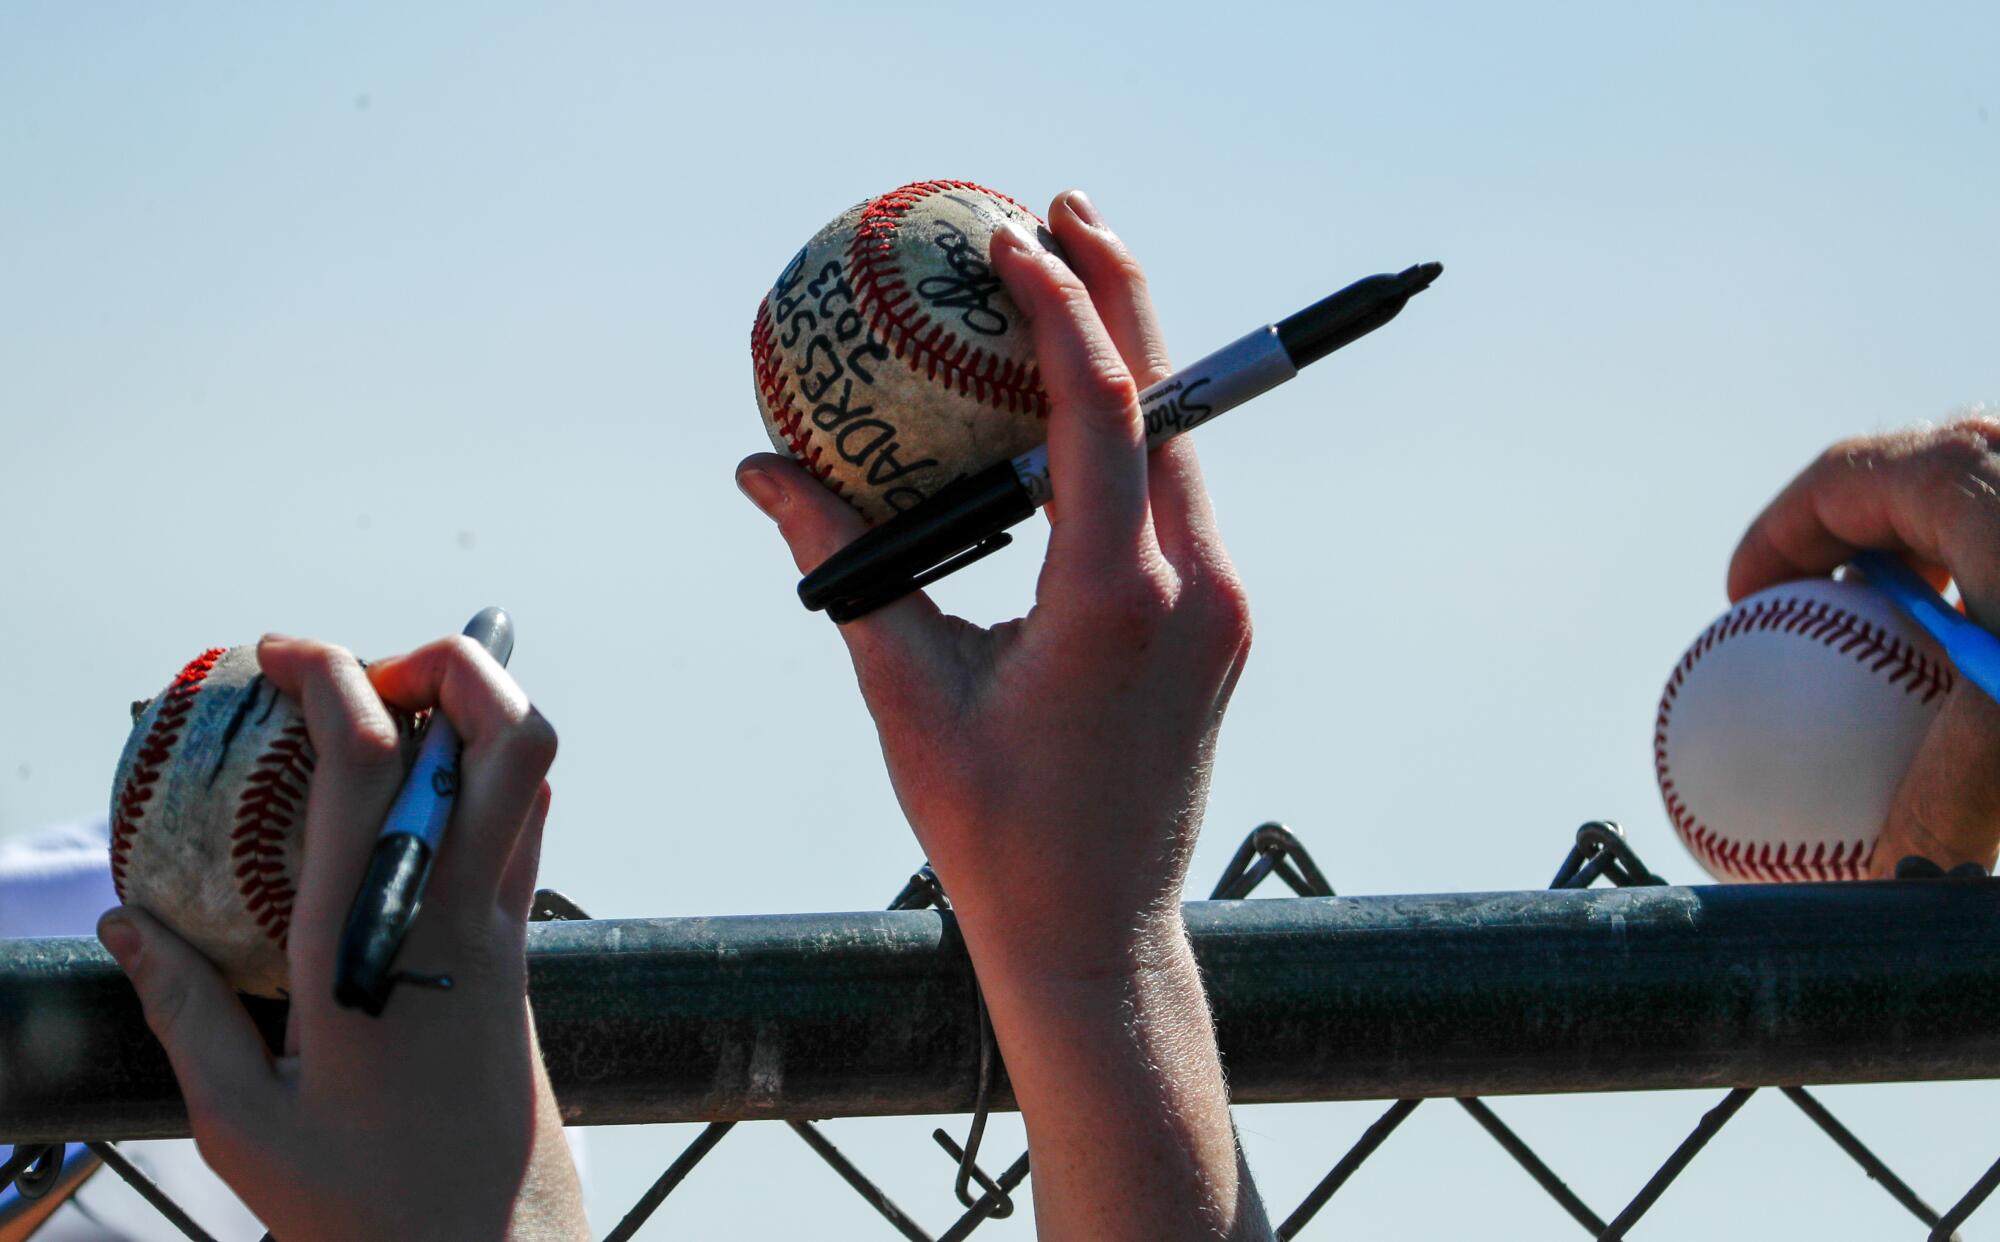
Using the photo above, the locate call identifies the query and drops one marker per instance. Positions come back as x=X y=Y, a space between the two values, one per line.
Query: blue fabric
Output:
x=56 y=881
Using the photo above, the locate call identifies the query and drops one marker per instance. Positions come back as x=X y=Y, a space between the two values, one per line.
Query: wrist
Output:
x=1094 y=1008
x=1119 y=1081
x=1073 y=950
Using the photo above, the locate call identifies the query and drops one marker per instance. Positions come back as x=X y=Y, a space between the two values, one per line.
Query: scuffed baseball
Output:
x=1785 y=729
x=888 y=359
x=208 y=813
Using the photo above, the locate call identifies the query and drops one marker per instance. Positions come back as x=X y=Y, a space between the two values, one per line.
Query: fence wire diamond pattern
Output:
x=1600 y=852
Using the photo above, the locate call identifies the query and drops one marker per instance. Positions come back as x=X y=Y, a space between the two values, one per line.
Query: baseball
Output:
x=207 y=814
x=1785 y=729
x=888 y=359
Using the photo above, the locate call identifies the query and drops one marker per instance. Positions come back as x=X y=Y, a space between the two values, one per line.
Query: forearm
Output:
x=1089 y=722
x=549 y=1207
x=1121 y=1087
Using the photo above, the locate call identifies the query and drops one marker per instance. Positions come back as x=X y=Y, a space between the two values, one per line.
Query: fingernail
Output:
x=1082 y=208
x=1014 y=235
x=119 y=938
x=274 y=637
x=761 y=488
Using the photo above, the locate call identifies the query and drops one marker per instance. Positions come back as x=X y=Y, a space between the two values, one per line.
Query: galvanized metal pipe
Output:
x=831 y=1015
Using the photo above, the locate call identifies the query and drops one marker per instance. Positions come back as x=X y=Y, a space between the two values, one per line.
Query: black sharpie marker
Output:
x=391 y=893
x=967 y=519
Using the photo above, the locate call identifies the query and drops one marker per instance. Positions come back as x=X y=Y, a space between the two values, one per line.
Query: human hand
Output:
x=429 y=1121
x=1055 y=768
x=1932 y=494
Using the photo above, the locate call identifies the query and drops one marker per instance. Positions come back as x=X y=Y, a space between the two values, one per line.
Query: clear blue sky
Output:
x=347 y=323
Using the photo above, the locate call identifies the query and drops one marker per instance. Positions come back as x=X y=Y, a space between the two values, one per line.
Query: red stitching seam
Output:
x=1904 y=664
x=785 y=415
x=272 y=796
x=894 y=314
x=151 y=760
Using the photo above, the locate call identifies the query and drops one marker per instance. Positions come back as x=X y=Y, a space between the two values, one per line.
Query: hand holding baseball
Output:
x=1055 y=768
x=1932 y=494
x=439 y=1110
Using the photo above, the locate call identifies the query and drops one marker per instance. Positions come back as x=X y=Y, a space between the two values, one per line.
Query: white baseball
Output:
x=208 y=811
x=1786 y=728
x=888 y=359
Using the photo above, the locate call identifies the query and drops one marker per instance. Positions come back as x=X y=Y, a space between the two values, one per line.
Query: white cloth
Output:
x=57 y=882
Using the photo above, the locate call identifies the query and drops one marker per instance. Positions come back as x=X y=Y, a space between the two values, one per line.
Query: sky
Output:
x=345 y=323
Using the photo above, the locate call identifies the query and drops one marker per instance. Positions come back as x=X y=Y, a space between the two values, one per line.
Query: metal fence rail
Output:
x=810 y=1017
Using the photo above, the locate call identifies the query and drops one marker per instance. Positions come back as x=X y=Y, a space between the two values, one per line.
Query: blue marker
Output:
x=391 y=893
x=1968 y=645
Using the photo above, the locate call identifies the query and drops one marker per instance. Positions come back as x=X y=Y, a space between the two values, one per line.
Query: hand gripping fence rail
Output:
x=802 y=1018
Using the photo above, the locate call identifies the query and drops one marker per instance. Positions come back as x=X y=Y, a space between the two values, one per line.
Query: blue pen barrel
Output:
x=1972 y=648
x=392 y=892
x=423 y=805
x=383 y=909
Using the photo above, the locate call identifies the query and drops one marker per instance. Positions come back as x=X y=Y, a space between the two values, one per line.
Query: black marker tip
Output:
x=1417 y=279
x=1352 y=313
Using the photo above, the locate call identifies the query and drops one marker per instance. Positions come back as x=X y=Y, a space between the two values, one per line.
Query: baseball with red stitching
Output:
x=1786 y=727
x=208 y=811
x=888 y=359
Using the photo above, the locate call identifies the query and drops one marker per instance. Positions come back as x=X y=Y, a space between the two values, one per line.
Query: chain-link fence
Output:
x=1836 y=1011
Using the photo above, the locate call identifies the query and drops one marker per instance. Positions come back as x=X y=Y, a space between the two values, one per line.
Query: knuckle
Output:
x=462 y=661
x=803 y=533
x=531 y=742
x=1074 y=298
x=1964 y=444
x=327 y=662
x=1984 y=425
x=166 y=997
x=1960 y=458
x=1225 y=608
x=1960 y=445
x=1106 y=254
x=366 y=736
x=1978 y=421
x=1069 y=286
x=1058 y=294
x=1215 y=598
x=372 y=743
x=463 y=651
x=1126 y=267
x=1107 y=387
x=1855 y=452
x=1131 y=609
